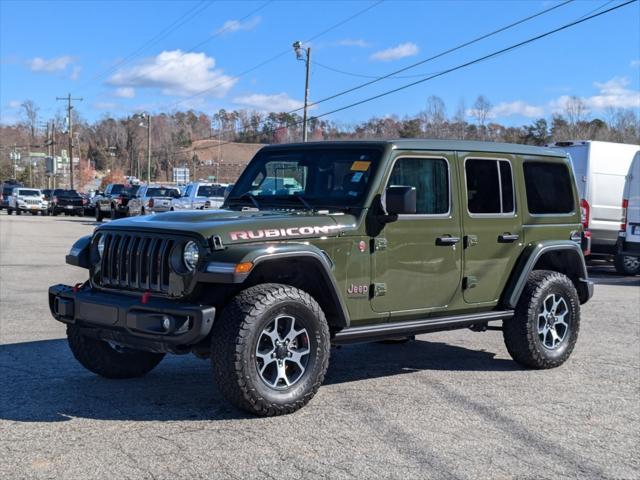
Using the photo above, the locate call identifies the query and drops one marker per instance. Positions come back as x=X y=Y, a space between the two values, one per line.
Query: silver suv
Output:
x=23 y=200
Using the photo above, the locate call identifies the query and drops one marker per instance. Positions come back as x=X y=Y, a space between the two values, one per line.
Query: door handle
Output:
x=446 y=241
x=508 y=238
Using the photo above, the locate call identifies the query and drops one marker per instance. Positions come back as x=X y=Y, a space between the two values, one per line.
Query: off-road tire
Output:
x=625 y=268
x=234 y=340
x=101 y=358
x=521 y=332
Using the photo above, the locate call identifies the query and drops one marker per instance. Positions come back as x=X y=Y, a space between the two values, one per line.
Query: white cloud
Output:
x=613 y=93
x=125 y=92
x=176 y=73
x=634 y=63
x=403 y=50
x=518 y=107
x=75 y=73
x=353 y=42
x=55 y=64
x=14 y=104
x=231 y=26
x=105 y=106
x=280 y=102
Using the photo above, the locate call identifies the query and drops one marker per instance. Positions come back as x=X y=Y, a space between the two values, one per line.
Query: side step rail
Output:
x=381 y=331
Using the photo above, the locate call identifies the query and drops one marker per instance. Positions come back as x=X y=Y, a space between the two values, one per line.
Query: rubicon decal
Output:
x=282 y=232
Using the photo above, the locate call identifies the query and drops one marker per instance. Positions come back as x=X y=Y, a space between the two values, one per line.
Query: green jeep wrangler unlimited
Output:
x=366 y=241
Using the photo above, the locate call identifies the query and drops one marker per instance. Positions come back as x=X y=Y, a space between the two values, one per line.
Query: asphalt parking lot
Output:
x=449 y=405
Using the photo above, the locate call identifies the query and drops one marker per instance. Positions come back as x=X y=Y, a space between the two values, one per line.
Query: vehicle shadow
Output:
x=42 y=382
x=604 y=273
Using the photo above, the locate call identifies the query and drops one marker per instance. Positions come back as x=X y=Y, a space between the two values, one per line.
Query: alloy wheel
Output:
x=553 y=327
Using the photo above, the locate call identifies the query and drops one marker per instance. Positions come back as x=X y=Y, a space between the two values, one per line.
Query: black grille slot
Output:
x=136 y=262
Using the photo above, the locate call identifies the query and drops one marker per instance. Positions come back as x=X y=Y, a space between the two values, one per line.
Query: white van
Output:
x=600 y=169
x=628 y=258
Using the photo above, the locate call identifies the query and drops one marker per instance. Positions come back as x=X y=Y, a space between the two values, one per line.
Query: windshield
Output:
x=29 y=193
x=118 y=188
x=320 y=177
x=210 y=191
x=163 y=192
x=131 y=189
x=65 y=193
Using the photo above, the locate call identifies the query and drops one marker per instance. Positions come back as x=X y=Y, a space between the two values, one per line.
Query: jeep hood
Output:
x=241 y=226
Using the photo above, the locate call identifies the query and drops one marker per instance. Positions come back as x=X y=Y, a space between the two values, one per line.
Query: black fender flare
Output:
x=80 y=253
x=530 y=257
x=261 y=255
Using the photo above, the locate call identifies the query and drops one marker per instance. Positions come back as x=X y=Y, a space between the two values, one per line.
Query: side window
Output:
x=489 y=186
x=548 y=188
x=430 y=177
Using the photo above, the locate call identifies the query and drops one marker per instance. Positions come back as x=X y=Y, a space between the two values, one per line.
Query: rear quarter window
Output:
x=548 y=187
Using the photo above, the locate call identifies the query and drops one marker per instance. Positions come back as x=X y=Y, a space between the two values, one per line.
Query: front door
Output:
x=417 y=259
x=492 y=225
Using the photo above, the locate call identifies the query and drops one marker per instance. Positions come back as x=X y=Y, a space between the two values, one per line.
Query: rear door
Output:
x=417 y=259
x=491 y=224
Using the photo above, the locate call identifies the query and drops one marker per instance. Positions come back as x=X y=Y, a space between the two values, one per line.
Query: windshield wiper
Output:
x=303 y=200
x=249 y=196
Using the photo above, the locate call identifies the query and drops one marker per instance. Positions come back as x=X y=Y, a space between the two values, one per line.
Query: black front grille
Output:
x=136 y=262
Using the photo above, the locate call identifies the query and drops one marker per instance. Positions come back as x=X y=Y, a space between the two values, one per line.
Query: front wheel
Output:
x=108 y=360
x=544 y=329
x=627 y=265
x=270 y=349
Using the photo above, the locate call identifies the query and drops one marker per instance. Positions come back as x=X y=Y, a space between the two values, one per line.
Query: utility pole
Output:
x=69 y=108
x=297 y=47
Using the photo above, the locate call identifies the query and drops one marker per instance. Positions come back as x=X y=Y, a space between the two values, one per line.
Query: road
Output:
x=449 y=405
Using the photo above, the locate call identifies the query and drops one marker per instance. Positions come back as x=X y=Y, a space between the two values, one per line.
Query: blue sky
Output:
x=123 y=57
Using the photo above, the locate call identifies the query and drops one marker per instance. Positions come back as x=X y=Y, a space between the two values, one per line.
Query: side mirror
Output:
x=400 y=200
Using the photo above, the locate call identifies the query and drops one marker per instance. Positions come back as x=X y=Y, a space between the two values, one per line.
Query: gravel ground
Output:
x=449 y=405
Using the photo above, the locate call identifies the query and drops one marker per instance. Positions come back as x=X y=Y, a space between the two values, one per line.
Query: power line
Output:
x=439 y=55
x=278 y=55
x=463 y=65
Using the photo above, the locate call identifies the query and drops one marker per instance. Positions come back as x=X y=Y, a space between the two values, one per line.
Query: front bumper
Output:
x=157 y=325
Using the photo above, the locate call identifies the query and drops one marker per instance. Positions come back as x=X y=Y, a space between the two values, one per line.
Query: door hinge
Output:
x=380 y=244
x=469 y=282
x=379 y=289
x=470 y=241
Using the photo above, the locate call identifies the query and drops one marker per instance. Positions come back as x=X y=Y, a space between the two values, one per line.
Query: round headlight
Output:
x=101 y=245
x=190 y=255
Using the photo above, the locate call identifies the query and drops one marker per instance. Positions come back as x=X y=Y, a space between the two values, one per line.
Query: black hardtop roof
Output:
x=425 y=144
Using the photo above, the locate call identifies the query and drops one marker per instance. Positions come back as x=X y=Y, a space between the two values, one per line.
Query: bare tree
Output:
x=576 y=112
x=30 y=110
x=460 y=119
x=481 y=109
x=435 y=116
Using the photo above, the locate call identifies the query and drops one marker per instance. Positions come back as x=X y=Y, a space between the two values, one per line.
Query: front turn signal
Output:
x=244 y=267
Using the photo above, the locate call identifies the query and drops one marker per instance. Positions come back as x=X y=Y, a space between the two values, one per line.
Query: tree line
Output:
x=120 y=143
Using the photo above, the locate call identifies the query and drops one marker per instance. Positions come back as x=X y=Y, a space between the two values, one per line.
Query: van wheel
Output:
x=627 y=265
x=107 y=360
x=270 y=349
x=544 y=329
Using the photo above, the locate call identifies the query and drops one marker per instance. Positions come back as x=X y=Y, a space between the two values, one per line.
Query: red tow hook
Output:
x=77 y=287
x=145 y=297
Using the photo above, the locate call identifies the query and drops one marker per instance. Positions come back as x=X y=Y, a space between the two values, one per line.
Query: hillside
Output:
x=233 y=157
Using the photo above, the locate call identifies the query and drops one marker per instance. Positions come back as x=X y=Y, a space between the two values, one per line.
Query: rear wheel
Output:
x=109 y=360
x=544 y=329
x=270 y=349
x=99 y=214
x=18 y=212
x=627 y=265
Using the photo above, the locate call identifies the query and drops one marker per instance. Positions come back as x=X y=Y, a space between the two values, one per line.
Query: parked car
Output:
x=153 y=199
x=382 y=240
x=600 y=169
x=68 y=202
x=23 y=200
x=627 y=260
x=106 y=205
x=196 y=195
x=46 y=194
x=6 y=190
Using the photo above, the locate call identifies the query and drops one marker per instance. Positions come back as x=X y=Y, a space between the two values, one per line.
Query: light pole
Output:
x=304 y=54
x=15 y=157
x=147 y=116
